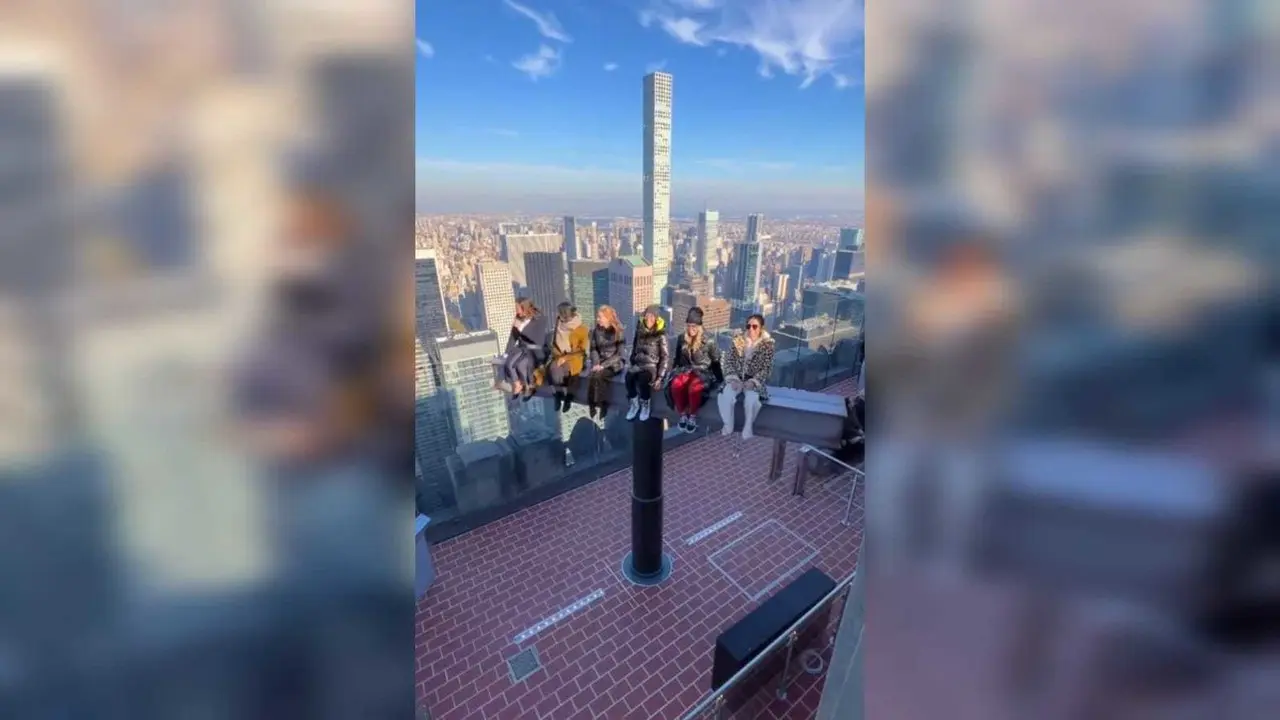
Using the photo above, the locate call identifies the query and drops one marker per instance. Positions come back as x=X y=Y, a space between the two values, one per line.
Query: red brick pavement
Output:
x=641 y=653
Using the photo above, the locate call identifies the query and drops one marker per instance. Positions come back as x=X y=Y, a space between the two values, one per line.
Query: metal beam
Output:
x=799 y=416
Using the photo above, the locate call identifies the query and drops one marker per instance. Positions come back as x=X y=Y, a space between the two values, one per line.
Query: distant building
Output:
x=433 y=321
x=705 y=257
x=515 y=246
x=497 y=296
x=816 y=333
x=571 y=248
x=588 y=287
x=754 y=223
x=716 y=313
x=744 y=287
x=843 y=265
x=630 y=287
x=657 y=178
x=842 y=302
x=546 y=273
x=478 y=412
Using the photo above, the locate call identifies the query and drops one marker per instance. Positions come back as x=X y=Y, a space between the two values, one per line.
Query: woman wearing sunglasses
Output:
x=747 y=367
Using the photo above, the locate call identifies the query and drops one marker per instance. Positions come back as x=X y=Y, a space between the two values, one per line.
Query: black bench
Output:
x=747 y=638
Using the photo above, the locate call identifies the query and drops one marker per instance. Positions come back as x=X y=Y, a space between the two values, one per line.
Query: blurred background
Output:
x=1073 y=209
x=188 y=393
x=1073 y=324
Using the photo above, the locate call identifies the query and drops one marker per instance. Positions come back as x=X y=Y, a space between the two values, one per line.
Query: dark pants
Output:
x=560 y=377
x=639 y=382
x=598 y=387
x=519 y=366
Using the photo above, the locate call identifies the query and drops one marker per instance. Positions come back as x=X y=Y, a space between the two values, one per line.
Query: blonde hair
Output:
x=610 y=317
x=696 y=343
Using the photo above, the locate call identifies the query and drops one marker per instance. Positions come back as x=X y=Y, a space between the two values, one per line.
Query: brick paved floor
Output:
x=633 y=652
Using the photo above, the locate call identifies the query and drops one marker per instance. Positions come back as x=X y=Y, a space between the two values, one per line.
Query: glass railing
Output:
x=746 y=687
x=540 y=452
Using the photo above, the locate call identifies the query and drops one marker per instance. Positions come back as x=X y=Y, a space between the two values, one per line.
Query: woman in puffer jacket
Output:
x=608 y=338
x=650 y=359
x=693 y=371
x=747 y=368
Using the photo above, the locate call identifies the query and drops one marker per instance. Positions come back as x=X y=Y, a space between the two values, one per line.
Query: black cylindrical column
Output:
x=646 y=563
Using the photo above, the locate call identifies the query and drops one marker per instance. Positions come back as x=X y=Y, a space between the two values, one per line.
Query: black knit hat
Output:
x=695 y=316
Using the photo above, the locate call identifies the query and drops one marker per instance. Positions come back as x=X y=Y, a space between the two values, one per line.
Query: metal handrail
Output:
x=841 y=463
x=802 y=472
x=716 y=698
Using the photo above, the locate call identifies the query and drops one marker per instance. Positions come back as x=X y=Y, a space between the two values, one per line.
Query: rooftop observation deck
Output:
x=549 y=578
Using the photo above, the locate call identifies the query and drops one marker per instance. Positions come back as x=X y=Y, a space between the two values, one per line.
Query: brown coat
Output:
x=576 y=354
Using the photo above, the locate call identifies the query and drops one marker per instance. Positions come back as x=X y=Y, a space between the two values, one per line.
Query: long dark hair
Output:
x=565 y=311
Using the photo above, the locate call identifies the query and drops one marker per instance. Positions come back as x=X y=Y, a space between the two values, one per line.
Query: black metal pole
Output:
x=646 y=560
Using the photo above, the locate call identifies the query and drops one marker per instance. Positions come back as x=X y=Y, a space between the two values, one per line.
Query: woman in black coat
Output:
x=607 y=340
x=526 y=348
x=650 y=359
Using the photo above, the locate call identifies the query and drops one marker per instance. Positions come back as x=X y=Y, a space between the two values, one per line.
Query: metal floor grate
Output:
x=523 y=664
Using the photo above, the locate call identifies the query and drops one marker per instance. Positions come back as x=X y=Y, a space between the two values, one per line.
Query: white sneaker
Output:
x=746 y=433
x=727 y=430
x=634 y=409
x=644 y=410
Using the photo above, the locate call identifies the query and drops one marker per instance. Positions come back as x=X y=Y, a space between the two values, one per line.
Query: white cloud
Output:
x=610 y=66
x=425 y=49
x=803 y=38
x=655 y=66
x=540 y=64
x=683 y=29
x=548 y=26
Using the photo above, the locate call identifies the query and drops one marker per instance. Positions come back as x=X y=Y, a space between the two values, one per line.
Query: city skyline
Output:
x=560 y=134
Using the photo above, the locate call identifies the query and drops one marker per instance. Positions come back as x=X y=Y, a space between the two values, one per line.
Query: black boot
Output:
x=568 y=403
x=558 y=400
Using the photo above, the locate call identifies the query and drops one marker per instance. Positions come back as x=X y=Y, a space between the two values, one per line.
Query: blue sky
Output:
x=535 y=105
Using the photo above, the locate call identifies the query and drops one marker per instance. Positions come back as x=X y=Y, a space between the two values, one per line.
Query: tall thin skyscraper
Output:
x=571 y=250
x=478 y=412
x=745 y=286
x=708 y=241
x=657 y=178
x=754 y=221
x=433 y=322
x=497 y=297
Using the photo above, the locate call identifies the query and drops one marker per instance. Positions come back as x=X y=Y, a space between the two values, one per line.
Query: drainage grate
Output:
x=523 y=664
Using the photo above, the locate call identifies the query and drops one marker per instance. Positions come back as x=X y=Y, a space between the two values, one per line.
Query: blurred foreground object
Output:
x=1056 y=507
x=142 y=203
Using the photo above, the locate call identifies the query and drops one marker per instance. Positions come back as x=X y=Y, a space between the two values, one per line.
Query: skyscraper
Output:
x=657 y=178
x=708 y=240
x=744 y=287
x=843 y=266
x=546 y=279
x=630 y=287
x=478 y=412
x=497 y=297
x=432 y=320
x=754 y=221
x=571 y=250
x=434 y=438
x=515 y=245
x=589 y=287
